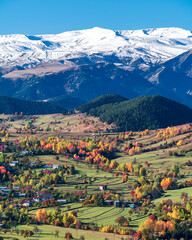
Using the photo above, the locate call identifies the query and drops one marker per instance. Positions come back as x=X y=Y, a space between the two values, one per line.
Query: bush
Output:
x=122 y=221
x=68 y=235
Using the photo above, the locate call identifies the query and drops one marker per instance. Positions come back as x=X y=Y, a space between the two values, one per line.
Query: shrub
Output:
x=122 y=221
x=68 y=235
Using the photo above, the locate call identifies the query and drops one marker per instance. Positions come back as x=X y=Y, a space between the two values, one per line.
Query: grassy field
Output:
x=47 y=232
x=174 y=195
x=58 y=125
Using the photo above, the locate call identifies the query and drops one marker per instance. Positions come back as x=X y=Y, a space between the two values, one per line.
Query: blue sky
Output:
x=56 y=16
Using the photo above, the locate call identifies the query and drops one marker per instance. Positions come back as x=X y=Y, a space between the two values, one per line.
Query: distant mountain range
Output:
x=82 y=65
x=126 y=48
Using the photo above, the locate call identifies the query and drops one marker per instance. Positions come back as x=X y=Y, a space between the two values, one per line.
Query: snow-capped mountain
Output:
x=88 y=63
x=130 y=49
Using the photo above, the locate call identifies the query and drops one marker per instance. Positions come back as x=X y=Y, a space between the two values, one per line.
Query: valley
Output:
x=73 y=173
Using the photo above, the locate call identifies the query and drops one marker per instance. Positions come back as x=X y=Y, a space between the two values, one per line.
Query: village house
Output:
x=56 y=166
x=27 y=204
x=42 y=196
x=2 y=225
x=47 y=166
x=18 y=194
x=36 y=199
x=62 y=200
x=24 y=153
x=126 y=203
x=3 y=188
x=6 y=191
x=108 y=202
x=132 y=206
x=47 y=196
x=13 y=163
x=32 y=164
x=103 y=187
x=117 y=203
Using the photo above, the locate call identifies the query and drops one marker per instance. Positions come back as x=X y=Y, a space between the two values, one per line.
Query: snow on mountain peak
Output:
x=170 y=32
x=158 y=32
x=150 y=45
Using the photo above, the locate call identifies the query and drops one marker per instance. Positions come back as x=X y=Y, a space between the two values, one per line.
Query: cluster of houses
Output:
x=40 y=196
x=50 y=166
x=4 y=190
x=116 y=203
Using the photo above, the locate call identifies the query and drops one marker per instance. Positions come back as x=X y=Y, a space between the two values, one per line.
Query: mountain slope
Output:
x=85 y=82
x=66 y=101
x=175 y=75
x=10 y=105
x=148 y=112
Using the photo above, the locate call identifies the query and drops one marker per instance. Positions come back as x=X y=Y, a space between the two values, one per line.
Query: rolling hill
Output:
x=100 y=101
x=147 y=112
x=9 y=105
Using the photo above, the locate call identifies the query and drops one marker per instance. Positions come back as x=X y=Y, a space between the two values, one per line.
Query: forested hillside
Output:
x=100 y=101
x=147 y=112
x=10 y=105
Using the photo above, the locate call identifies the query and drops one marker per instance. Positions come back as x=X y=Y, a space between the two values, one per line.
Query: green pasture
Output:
x=47 y=232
